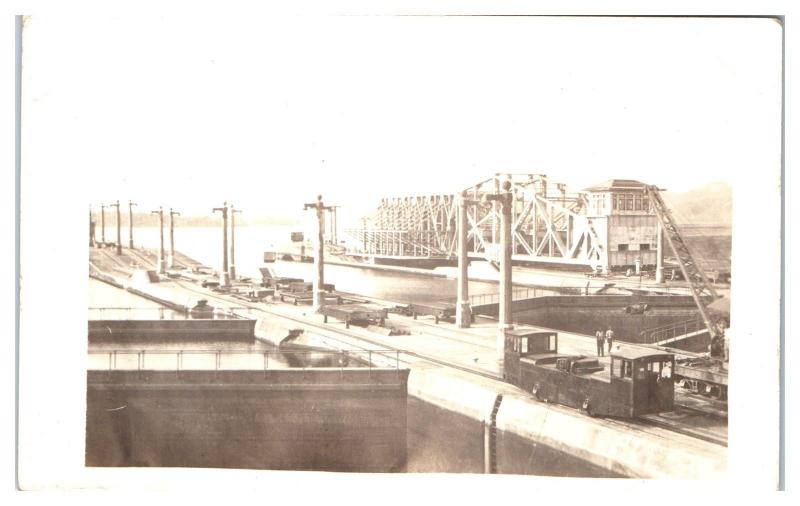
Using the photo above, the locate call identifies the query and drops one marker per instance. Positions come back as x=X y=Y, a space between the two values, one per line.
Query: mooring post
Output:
x=224 y=275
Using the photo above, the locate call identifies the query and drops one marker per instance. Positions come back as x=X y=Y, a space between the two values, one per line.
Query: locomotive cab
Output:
x=646 y=379
x=639 y=381
x=532 y=346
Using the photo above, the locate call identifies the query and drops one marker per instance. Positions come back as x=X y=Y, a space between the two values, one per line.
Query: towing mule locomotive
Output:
x=638 y=381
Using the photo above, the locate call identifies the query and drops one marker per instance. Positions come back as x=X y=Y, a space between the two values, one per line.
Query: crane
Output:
x=702 y=291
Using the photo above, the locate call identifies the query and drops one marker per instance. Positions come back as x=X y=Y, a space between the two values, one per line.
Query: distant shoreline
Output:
x=147 y=220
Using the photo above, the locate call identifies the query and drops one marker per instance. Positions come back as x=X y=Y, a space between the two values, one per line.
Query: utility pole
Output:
x=334 y=226
x=103 y=224
x=161 y=263
x=463 y=310
x=224 y=275
x=364 y=234
x=172 y=214
x=233 y=242
x=91 y=228
x=119 y=236
x=504 y=200
x=319 y=280
x=130 y=223
x=659 y=253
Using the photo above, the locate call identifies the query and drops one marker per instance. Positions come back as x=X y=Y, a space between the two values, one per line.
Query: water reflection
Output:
x=394 y=286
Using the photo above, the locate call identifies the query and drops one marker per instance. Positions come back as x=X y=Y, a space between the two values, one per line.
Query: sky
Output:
x=269 y=112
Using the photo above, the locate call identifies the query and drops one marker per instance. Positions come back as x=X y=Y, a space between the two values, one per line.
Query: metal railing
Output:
x=522 y=294
x=136 y=313
x=531 y=292
x=673 y=330
x=238 y=360
x=163 y=313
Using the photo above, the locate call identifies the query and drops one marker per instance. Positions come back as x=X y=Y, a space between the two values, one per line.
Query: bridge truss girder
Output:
x=548 y=225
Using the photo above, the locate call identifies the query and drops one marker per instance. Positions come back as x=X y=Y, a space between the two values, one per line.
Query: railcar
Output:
x=638 y=382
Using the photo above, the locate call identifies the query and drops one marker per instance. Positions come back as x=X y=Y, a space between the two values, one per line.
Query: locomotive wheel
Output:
x=689 y=385
x=713 y=391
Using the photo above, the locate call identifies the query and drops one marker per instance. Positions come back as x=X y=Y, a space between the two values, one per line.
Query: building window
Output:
x=638 y=203
x=645 y=204
x=629 y=205
x=644 y=247
x=614 y=202
x=622 y=247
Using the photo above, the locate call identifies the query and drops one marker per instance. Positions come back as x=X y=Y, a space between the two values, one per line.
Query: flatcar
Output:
x=638 y=382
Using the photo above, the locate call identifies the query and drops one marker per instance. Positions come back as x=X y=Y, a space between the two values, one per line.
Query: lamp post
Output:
x=171 y=260
x=161 y=264
x=224 y=275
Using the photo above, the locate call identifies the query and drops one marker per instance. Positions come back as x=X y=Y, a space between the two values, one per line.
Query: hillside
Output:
x=704 y=215
x=708 y=205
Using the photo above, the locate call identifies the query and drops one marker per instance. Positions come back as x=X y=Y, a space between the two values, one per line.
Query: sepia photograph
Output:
x=402 y=244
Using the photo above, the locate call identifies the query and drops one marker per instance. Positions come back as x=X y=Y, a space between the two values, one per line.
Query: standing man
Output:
x=609 y=338
x=599 y=336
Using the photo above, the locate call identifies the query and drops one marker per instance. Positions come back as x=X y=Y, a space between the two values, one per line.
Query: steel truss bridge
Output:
x=549 y=225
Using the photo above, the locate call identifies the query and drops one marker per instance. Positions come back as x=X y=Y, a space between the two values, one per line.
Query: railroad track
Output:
x=699 y=411
x=718 y=409
x=652 y=421
x=444 y=333
x=672 y=425
x=329 y=334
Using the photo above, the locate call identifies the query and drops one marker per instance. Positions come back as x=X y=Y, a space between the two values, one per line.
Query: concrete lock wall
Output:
x=442 y=440
x=314 y=419
x=588 y=314
x=599 y=444
x=543 y=439
x=216 y=330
